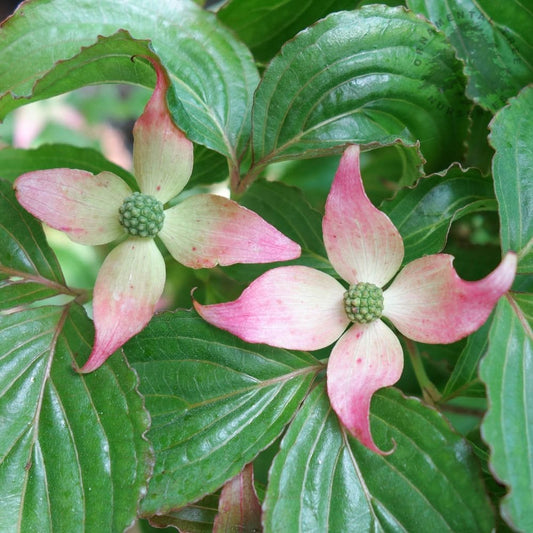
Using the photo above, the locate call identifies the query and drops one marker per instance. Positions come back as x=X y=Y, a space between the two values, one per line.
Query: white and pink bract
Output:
x=202 y=231
x=297 y=307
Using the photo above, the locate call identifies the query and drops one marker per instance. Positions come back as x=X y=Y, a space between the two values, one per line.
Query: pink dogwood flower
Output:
x=201 y=231
x=297 y=307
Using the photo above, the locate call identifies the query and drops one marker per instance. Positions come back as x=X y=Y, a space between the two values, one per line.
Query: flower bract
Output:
x=201 y=231
x=297 y=307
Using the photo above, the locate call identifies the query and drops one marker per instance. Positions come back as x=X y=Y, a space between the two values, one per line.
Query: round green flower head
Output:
x=141 y=215
x=363 y=302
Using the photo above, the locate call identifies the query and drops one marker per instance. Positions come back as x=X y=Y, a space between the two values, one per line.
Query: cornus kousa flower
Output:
x=202 y=231
x=297 y=307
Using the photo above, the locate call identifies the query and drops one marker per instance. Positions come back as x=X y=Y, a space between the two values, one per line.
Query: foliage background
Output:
x=439 y=94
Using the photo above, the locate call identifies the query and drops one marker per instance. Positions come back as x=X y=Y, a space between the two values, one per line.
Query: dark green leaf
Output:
x=371 y=76
x=286 y=208
x=479 y=153
x=215 y=403
x=494 y=40
x=209 y=167
x=384 y=171
x=29 y=270
x=423 y=215
x=511 y=134
x=195 y=518
x=213 y=75
x=464 y=379
x=387 y=169
x=265 y=27
x=312 y=176
x=508 y=425
x=72 y=452
x=324 y=480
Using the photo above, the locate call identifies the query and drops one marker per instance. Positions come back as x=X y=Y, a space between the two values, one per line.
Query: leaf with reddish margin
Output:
x=238 y=507
x=370 y=76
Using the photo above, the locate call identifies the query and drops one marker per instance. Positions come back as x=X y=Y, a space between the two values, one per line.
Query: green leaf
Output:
x=312 y=176
x=464 y=379
x=209 y=167
x=525 y=303
x=324 y=480
x=29 y=270
x=479 y=153
x=109 y=60
x=195 y=518
x=371 y=76
x=387 y=169
x=384 y=171
x=16 y=161
x=508 y=425
x=287 y=209
x=212 y=74
x=72 y=452
x=264 y=28
x=423 y=215
x=511 y=133
x=494 y=40
x=215 y=403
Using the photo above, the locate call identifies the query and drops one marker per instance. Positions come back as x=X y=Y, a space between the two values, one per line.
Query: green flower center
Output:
x=141 y=215
x=363 y=302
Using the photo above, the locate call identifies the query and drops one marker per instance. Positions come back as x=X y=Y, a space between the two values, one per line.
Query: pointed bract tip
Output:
x=162 y=154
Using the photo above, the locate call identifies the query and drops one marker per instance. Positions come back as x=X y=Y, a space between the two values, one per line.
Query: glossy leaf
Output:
x=494 y=40
x=423 y=214
x=72 y=452
x=213 y=76
x=264 y=28
x=370 y=76
x=511 y=133
x=29 y=270
x=324 y=480
x=109 y=60
x=215 y=403
x=508 y=425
